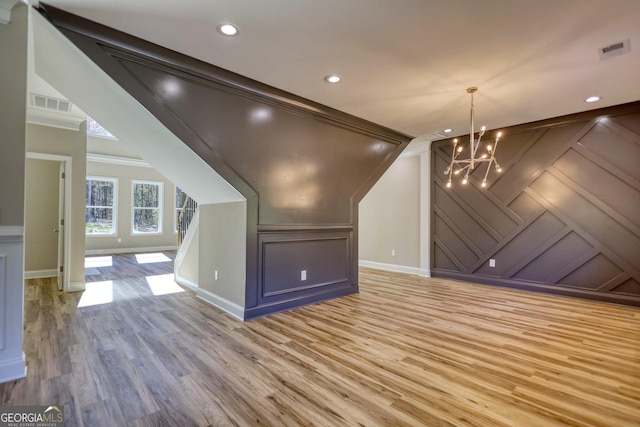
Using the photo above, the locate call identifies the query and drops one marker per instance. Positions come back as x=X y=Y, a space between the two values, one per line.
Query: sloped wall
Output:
x=564 y=217
x=301 y=166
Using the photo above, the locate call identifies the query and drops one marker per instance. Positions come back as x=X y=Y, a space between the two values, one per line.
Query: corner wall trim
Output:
x=396 y=268
x=223 y=304
x=40 y=274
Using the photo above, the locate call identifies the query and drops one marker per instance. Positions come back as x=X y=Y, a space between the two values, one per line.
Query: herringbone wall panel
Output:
x=563 y=217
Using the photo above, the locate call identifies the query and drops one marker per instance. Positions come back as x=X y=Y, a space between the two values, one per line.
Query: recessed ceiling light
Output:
x=448 y=130
x=332 y=78
x=228 y=29
x=592 y=99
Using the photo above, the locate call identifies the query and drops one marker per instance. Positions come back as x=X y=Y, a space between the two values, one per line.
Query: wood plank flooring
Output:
x=406 y=351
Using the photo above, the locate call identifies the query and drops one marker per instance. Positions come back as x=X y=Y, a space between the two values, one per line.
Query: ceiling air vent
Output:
x=49 y=103
x=436 y=136
x=615 y=49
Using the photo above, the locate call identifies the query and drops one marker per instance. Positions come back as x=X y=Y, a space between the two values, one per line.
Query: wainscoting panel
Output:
x=563 y=217
x=324 y=260
x=12 y=359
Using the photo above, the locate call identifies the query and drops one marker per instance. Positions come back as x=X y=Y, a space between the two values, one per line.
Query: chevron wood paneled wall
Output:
x=563 y=217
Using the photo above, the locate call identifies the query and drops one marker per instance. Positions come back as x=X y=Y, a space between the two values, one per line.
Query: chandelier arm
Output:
x=495 y=147
x=486 y=173
x=477 y=145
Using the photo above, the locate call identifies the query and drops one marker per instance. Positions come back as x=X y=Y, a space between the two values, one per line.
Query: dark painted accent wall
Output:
x=563 y=217
x=302 y=166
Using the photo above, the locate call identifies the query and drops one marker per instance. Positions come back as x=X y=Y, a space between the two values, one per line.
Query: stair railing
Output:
x=184 y=219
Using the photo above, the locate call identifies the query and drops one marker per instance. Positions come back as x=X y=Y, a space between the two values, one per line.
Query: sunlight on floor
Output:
x=149 y=258
x=96 y=293
x=98 y=261
x=163 y=284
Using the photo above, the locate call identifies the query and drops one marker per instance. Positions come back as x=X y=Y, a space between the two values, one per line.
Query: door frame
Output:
x=67 y=208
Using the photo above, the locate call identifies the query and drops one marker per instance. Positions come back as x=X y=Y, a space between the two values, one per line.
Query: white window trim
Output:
x=160 y=207
x=115 y=205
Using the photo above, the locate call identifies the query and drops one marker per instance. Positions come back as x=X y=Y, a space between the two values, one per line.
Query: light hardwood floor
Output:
x=405 y=351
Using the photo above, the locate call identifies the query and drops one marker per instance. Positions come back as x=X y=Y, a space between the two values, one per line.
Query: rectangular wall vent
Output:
x=49 y=103
x=615 y=49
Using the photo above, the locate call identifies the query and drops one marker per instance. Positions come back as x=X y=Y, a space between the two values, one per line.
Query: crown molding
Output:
x=115 y=160
x=5 y=10
x=69 y=123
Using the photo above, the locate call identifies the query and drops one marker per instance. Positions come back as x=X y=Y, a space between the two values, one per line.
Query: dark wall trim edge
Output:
x=537 y=287
x=267 y=309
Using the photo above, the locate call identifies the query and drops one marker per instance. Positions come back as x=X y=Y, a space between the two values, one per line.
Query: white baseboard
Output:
x=76 y=286
x=13 y=369
x=396 y=268
x=39 y=274
x=223 y=304
x=129 y=250
x=185 y=282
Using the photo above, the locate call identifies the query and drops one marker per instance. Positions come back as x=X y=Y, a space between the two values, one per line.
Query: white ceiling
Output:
x=406 y=64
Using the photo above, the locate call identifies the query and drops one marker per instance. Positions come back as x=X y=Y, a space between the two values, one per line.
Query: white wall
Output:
x=390 y=217
x=222 y=247
x=110 y=147
x=13 y=90
x=395 y=214
x=13 y=93
x=41 y=218
x=63 y=142
x=125 y=175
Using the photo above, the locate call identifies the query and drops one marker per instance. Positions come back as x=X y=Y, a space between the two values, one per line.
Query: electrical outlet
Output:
x=303 y=275
x=492 y=262
x=119 y=240
x=393 y=252
x=215 y=275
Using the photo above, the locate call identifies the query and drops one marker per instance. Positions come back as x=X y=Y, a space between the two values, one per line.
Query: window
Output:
x=94 y=129
x=147 y=207
x=102 y=196
x=181 y=196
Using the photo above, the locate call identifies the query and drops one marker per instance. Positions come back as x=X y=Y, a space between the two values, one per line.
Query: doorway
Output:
x=46 y=206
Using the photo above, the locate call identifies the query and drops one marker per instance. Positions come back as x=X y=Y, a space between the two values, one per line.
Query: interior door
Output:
x=61 y=225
